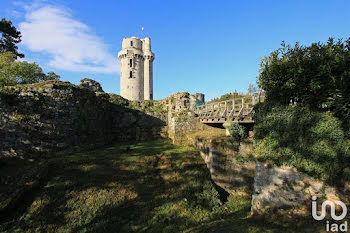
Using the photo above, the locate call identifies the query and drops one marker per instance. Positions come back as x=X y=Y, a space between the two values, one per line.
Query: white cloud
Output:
x=70 y=44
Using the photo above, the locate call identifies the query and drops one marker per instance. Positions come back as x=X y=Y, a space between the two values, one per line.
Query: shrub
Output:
x=316 y=76
x=236 y=131
x=313 y=142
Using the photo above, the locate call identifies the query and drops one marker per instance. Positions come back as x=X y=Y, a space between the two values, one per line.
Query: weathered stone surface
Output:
x=228 y=164
x=181 y=123
x=181 y=118
x=274 y=188
x=277 y=187
x=46 y=117
x=183 y=101
x=136 y=69
x=91 y=85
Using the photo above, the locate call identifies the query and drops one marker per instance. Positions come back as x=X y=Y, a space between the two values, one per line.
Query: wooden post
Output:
x=233 y=106
x=243 y=106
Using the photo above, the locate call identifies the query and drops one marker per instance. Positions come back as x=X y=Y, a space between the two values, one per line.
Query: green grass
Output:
x=313 y=142
x=139 y=187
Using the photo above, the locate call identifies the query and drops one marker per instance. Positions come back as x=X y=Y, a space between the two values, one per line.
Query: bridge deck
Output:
x=237 y=110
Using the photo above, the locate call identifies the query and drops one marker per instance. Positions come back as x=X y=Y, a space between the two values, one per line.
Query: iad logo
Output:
x=333 y=227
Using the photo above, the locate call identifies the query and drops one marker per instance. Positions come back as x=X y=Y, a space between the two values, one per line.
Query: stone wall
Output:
x=228 y=164
x=275 y=190
x=183 y=101
x=285 y=187
x=180 y=124
x=181 y=118
x=154 y=108
x=42 y=118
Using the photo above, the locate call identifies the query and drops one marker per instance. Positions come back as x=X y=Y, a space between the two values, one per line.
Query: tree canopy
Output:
x=317 y=76
x=252 y=89
x=9 y=38
x=14 y=72
x=227 y=96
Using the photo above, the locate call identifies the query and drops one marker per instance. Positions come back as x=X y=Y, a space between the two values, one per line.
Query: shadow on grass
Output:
x=154 y=187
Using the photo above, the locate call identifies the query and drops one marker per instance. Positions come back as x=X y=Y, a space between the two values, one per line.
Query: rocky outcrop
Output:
x=285 y=187
x=42 y=118
x=91 y=85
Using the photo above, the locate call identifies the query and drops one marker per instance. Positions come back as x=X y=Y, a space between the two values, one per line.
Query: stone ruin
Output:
x=183 y=101
x=91 y=85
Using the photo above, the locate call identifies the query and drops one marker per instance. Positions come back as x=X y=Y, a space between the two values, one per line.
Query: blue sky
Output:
x=213 y=47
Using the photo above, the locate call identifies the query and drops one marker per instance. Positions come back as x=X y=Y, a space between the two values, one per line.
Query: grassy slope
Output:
x=154 y=187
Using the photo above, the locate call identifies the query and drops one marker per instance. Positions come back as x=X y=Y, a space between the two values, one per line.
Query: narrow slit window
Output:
x=130 y=75
x=130 y=62
x=131 y=44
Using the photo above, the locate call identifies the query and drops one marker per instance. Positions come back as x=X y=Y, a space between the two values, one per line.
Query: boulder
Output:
x=91 y=85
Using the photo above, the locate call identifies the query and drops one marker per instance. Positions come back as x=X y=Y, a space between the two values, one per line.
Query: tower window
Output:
x=130 y=75
x=131 y=44
x=130 y=62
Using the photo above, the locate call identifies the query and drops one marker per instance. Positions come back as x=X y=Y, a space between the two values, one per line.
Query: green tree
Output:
x=14 y=72
x=227 y=96
x=9 y=38
x=317 y=76
x=7 y=77
x=252 y=89
x=27 y=73
x=52 y=76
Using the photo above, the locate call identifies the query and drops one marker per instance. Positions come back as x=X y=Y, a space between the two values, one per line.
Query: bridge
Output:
x=238 y=110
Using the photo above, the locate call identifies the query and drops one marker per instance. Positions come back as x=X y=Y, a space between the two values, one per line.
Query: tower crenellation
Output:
x=136 y=69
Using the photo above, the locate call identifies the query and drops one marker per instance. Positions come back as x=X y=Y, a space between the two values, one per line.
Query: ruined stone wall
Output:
x=275 y=190
x=280 y=187
x=42 y=118
x=183 y=101
x=180 y=124
x=228 y=164
x=181 y=118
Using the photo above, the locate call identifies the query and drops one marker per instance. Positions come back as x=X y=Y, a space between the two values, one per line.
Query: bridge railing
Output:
x=229 y=108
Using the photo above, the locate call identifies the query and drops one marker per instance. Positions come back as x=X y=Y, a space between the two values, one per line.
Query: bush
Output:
x=316 y=76
x=236 y=131
x=313 y=142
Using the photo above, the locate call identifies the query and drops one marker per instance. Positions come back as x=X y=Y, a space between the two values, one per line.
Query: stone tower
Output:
x=136 y=69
